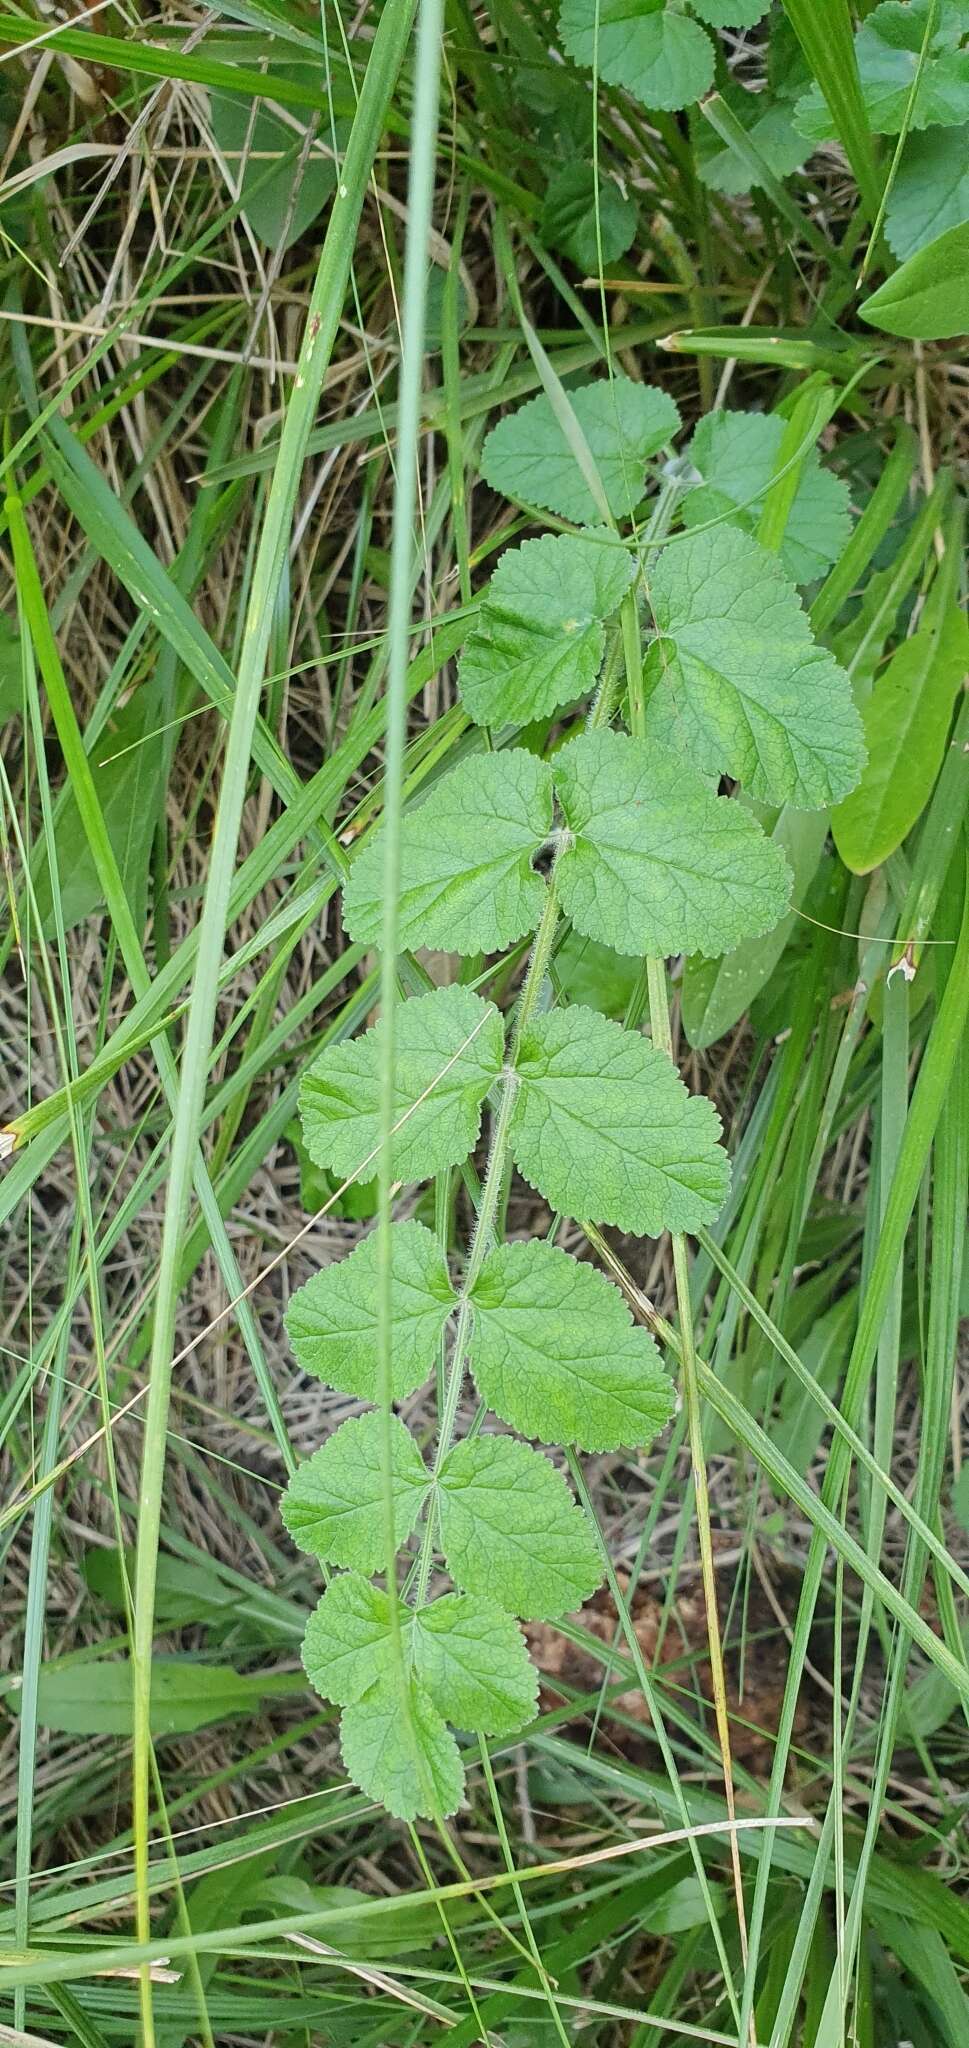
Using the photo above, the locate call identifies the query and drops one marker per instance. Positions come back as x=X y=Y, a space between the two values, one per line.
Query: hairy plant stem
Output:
x=487 y=1211
x=659 y=1024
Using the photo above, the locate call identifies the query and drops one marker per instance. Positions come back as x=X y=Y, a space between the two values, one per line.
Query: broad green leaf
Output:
x=730 y=13
x=527 y=455
x=570 y=213
x=333 y=1505
x=96 y=1698
x=449 y=1050
x=604 y=1128
x=928 y=298
x=586 y=972
x=332 y=1321
x=770 y=125
x=716 y=993
x=556 y=1354
x=887 y=49
x=408 y=1760
x=658 y=864
x=128 y=768
x=472 y=1660
x=511 y=1530
x=656 y=52
x=735 y=454
x=539 y=641
x=931 y=190
x=347 y=1645
x=286 y=204
x=906 y=721
x=735 y=679
x=466 y=879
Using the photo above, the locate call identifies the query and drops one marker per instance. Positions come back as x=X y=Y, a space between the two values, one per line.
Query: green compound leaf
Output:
x=928 y=298
x=527 y=456
x=346 y=1647
x=466 y=880
x=332 y=1506
x=570 y=212
x=931 y=190
x=556 y=1354
x=662 y=57
x=511 y=1530
x=473 y=1662
x=906 y=725
x=449 y=1050
x=539 y=641
x=604 y=1128
x=736 y=680
x=659 y=865
x=332 y=1321
x=407 y=1760
x=887 y=48
x=469 y=1656
x=735 y=454
x=730 y=13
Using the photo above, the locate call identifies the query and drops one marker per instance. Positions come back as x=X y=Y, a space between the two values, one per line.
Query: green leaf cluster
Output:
x=930 y=191
x=655 y=50
x=648 y=859
x=603 y=839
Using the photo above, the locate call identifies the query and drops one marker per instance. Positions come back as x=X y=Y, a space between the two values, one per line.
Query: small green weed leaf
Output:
x=887 y=48
x=287 y=203
x=408 y=1760
x=906 y=721
x=931 y=190
x=556 y=1354
x=769 y=122
x=539 y=641
x=11 y=670
x=659 y=864
x=730 y=13
x=570 y=212
x=466 y=880
x=736 y=680
x=735 y=453
x=604 y=1128
x=96 y=1698
x=928 y=298
x=716 y=993
x=511 y=1530
x=656 y=52
x=472 y=1660
x=449 y=1050
x=347 y=1646
x=527 y=456
x=332 y=1321
x=332 y=1505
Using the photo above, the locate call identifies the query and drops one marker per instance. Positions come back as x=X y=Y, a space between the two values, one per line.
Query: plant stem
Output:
x=487 y=1210
x=659 y=1021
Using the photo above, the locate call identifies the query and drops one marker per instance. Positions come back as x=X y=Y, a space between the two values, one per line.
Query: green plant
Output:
x=558 y=699
x=640 y=849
